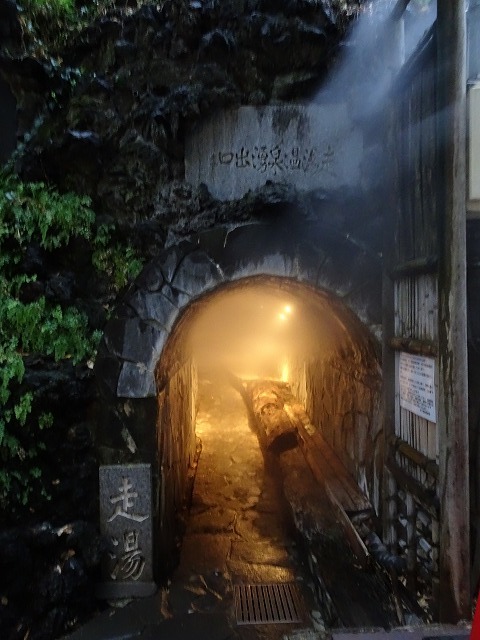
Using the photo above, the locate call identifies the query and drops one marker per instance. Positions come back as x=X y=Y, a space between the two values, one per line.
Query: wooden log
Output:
x=278 y=430
x=356 y=544
x=280 y=418
x=415 y=456
x=309 y=506
x=348 y=594
x=411 y=345
x=415 y=267
x=329 y=470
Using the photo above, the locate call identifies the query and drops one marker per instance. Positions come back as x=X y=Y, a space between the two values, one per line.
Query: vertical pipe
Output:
x=411 y=542
x=454 y=563
x=392 y=309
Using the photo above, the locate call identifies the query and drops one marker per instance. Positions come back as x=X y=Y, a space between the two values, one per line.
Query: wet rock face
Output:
x=63 y=453
x=10 y=31
x=50 y=549
x=8 y=124
x=47 y=573
x=148 y=75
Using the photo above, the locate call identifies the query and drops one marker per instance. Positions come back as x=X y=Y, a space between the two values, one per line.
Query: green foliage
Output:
x=34 y=213
x=119 y=262
x=50 y=25
x=46 y=24
x=39 y=327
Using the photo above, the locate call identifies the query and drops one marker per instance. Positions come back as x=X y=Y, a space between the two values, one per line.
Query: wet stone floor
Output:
x=237 y=532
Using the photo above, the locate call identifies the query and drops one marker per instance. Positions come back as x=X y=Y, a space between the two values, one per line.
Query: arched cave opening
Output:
x=273 y=336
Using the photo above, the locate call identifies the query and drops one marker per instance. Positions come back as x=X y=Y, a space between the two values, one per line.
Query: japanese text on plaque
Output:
x=278 y=160
x=129 y=561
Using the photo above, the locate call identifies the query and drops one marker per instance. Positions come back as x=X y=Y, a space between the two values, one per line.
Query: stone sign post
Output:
x=126 y=522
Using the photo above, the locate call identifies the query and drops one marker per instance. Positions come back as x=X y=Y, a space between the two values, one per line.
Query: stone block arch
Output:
x=141 y=368
x=143 y=320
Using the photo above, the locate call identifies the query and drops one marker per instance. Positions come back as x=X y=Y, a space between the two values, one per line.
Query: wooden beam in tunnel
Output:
x=329 y=470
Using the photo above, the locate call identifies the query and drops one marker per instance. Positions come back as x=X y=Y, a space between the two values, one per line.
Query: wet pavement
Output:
x=237 y=533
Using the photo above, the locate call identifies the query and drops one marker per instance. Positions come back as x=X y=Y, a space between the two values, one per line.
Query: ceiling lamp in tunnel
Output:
x=247 y=332
x=261 y=329
x=286 y=311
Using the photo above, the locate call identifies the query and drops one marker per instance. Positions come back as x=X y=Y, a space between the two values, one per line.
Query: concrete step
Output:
x=422 y=632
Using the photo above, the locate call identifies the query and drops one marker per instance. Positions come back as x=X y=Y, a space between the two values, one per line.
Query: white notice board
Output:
x=416 y=376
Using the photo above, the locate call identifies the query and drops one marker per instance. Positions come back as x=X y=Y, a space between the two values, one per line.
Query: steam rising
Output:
x=259 y=330
x=255 y=331
x=374 y=52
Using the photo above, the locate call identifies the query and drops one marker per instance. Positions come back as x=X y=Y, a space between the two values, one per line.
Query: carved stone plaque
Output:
x=126 y=522
x=310 y=147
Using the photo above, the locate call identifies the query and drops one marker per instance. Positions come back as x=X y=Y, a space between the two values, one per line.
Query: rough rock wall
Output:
x=341 y=393
x=115 y=130
x=50 y=553
x=8 y=122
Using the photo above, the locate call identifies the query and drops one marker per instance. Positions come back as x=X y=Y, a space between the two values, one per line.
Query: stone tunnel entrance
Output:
x=264 y=344
x=267 y=328
x=212 y=317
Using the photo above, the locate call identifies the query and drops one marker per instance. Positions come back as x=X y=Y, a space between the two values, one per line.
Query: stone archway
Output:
x=148 y=324
x=141 y=324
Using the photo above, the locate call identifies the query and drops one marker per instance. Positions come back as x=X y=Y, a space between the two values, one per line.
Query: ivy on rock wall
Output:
x=39 y=320
x=47 y=25
x=31 y=215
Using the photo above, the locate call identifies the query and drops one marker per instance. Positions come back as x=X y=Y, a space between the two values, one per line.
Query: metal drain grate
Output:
x=267 y=603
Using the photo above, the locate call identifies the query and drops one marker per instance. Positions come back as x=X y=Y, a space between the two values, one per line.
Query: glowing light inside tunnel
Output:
x=258 y=331
x=285 y=313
